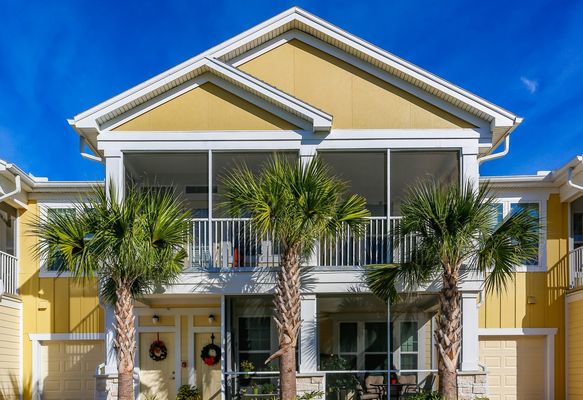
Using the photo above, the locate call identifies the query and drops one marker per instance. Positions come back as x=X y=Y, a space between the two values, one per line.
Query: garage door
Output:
x=68 y=369
x=516 y=367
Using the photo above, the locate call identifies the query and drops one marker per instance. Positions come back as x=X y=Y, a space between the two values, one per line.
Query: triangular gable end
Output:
x=207 y=107
x=356 y=99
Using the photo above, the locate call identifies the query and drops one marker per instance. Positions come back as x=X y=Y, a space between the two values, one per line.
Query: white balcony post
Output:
x=114 y=174
x=470 y=353
x=307 y=153
x=110 y=354
x=470 y=167
x=308 y=334
x=114 y=177
x=211 y=245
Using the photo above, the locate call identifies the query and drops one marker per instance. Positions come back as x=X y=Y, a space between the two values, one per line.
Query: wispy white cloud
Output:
x=530 y=84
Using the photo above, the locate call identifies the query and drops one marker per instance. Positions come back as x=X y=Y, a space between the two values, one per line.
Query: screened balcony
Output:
x=221 y=242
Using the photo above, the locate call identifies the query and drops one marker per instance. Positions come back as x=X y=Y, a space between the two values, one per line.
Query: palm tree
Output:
x=298 y=205
x=131 y=246
x=455 y=226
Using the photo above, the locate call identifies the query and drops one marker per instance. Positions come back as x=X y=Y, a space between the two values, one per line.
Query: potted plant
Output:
x=255 y=388
x=269 y=388
x=339 y=386
x=187 y=392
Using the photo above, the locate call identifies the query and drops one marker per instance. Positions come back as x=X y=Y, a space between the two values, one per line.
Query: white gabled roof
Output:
x=556 y=180
x=502 y=122
x=104 y=113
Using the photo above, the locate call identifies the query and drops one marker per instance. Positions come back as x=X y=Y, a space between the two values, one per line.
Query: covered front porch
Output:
x=351 y=346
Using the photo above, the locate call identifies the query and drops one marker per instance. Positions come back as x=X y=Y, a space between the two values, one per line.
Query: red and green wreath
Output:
x=211 y=353
x=158 y=351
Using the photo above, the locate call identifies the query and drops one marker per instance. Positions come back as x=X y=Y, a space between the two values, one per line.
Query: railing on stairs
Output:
x=576 y=268
x=8 y=274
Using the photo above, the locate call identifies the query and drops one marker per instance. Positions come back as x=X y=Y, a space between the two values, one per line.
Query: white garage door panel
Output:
x=68 y=369
x=516 y=367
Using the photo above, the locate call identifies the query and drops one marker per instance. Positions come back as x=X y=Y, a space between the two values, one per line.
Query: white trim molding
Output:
x=549 y=334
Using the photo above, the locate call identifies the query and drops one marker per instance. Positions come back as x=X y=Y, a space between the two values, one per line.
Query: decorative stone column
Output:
x=472 y=384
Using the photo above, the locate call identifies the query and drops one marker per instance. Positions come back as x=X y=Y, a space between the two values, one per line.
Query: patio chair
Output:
x=373 y=388
x=425 y=386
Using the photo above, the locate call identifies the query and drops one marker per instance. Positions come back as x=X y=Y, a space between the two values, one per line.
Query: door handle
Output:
x=173 y=375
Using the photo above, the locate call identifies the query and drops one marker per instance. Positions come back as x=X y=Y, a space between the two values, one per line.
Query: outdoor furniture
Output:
x=407 y=384
x=425 y=386
x=373 y=389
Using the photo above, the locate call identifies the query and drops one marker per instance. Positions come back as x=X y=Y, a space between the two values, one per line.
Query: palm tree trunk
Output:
x=125 y=341
x=448 y=332
x=287 y=318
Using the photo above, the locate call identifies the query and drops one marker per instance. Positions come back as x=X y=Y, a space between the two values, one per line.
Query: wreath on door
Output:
x=158 y=350
x=211 y=353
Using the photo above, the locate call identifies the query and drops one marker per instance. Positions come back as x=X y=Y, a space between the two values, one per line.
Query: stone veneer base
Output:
x=472 y=384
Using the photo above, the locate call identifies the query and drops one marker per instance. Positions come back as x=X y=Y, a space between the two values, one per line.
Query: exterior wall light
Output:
x=155 y=319
x=211 y=319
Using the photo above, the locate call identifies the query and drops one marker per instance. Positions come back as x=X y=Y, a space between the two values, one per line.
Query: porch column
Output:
x=114 y=174
x=307 y=153
x=114 y=177
x=469 y=361
x=110 y=355
x=308 y=335
x=470 y=167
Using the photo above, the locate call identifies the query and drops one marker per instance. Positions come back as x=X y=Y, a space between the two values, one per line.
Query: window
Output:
x=409 y=345
x=532 y=209
x=58 y=262
x=254 y=340
x=375 y=345
x=363 y=344
x=506 y=207
x=577 y=229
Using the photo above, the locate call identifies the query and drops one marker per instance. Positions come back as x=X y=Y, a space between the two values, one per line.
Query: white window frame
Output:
x=44 y=272
x=360 y=341
x=272 y=338
x=420 y=321
x=507 y=202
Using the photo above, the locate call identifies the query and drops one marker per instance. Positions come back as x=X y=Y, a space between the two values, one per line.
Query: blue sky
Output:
x=60 y=58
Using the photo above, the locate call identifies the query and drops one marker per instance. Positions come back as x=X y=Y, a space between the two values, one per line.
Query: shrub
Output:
x=316 y=394
x=187 y=392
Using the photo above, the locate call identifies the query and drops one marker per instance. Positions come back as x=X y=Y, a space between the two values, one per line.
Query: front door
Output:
x=208 y=378
x=157 y=378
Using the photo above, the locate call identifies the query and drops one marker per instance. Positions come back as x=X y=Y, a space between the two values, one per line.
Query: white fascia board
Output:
x=500 y=117
x=320 y=120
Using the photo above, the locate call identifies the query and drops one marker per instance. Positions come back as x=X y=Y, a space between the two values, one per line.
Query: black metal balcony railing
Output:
x=233 y=243
x=8 y=274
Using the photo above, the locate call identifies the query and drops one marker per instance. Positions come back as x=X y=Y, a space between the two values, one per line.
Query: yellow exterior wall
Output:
x=206 y=107
x=575 y=366
x=51 y=305
x=355 y=99
x=510 y=309
x=9 y=352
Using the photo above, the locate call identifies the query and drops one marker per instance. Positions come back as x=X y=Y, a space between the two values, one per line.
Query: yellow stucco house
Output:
x=297 y=86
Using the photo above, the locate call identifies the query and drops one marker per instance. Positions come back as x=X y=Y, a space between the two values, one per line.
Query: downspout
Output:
x=17 y=190
x=82 y=143
x=501 y=154
x=84 y=154
x=570 y=180
x=490 y=157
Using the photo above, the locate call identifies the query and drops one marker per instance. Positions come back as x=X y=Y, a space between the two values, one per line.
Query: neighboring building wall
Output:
x=575 y=340
x=51 y=305
x=10 y=312
x=511 y=309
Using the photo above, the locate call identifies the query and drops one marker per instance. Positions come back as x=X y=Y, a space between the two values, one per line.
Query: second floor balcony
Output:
x=234 y=244
x=381 y=176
